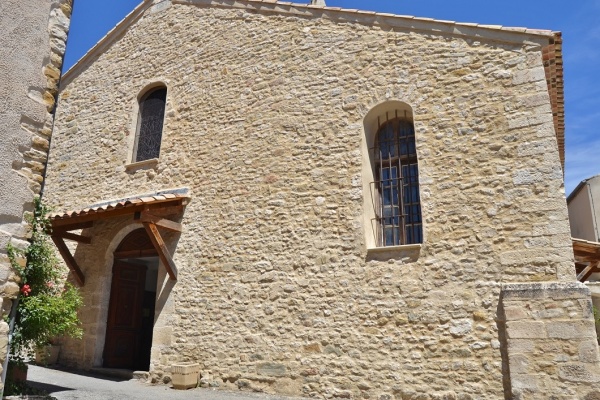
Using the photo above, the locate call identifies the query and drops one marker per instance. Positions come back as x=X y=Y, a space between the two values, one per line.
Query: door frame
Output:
x=120 y=249
x=131 y=332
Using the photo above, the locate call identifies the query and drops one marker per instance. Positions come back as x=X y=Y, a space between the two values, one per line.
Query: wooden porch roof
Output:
x=117 y=208
x=587 y=258
x=151 y=211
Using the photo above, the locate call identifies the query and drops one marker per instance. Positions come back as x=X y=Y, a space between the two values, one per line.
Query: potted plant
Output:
x=47 y=305
x=48 y=354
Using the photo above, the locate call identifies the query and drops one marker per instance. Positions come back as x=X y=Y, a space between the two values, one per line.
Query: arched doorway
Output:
x=132 y=300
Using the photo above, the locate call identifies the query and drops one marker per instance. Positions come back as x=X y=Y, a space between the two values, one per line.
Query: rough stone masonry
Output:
x=277 y=288
x=31 y=52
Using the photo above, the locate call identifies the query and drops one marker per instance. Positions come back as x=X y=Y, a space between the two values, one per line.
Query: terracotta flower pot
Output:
x=16 y=372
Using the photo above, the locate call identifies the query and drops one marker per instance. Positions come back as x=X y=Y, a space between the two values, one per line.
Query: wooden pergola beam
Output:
x=72 y=236
x=69 y=260
x=586 y=253
x=161 y=248
x=68 y=225
x=588 y=271
x=90 y=216
x=587 y=258
x=160 y=222
x=583 y=275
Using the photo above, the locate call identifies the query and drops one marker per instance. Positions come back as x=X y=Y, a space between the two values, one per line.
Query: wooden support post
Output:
x=69 y=260
x=161 y=248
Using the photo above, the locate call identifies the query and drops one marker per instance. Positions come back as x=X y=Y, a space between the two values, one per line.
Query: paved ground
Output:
x=69 y=386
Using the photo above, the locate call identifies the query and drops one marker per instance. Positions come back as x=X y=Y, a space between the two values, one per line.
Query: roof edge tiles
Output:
x=159 y=197
x=181 y=191
x=296 y=8
x=553 y=68
x=491 y=32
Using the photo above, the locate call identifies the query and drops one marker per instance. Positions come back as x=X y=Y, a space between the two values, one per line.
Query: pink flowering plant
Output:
x=48 y=305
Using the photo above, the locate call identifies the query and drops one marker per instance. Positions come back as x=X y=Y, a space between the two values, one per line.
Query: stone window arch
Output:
x=392 y=199
x=150 y=121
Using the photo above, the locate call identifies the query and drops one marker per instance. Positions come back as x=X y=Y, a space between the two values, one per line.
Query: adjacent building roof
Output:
x=579 y=187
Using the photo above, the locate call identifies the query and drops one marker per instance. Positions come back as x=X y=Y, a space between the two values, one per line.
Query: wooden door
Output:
x=124 y=325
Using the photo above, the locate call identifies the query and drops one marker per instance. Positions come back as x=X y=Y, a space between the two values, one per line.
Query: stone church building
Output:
x=314 y=201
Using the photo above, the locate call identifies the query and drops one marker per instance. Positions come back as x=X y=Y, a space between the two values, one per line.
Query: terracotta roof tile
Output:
x=119 y=204
x=444 y=21
x=542 y=32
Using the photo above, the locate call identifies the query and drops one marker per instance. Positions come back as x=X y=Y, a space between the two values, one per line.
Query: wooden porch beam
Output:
x=72 y=236
x=69 y=260
x=161 y=248
x=585 y=253
x=587 y=271
x=66 y=225
x=91 y=216
x=160 y=222
x=164 y=211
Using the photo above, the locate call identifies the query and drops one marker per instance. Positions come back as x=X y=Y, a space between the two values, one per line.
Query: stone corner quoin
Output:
x=33 y=56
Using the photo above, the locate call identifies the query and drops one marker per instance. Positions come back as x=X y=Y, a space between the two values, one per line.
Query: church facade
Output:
x=314 y=201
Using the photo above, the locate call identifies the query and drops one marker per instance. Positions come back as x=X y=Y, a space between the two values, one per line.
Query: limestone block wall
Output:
x=277 y=290
x=31 y=53
x=552 y=341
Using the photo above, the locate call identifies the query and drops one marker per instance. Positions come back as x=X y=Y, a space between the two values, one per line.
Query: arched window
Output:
x=150 y=124
x=396 y=173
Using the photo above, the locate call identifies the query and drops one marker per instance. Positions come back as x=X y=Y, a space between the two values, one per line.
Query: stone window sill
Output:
x=406 y=253
x=145 y=164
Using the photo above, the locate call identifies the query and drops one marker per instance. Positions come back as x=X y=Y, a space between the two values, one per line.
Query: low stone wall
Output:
x=552 y=348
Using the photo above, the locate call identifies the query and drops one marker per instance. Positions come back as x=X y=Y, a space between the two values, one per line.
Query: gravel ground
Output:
x=69 y=386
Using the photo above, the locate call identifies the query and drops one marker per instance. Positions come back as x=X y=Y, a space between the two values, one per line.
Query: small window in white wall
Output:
x=150 y=124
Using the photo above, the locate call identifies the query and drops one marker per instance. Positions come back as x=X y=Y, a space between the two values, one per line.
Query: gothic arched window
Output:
x=150 y=124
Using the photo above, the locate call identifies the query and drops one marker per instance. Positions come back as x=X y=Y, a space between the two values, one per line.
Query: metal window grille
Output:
x=397 y=204
x=150 y=124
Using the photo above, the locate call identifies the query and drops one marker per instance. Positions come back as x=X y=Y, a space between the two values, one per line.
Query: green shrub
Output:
x=48 y=305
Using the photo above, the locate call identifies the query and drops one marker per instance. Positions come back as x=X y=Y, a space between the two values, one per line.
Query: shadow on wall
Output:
x=502 y=338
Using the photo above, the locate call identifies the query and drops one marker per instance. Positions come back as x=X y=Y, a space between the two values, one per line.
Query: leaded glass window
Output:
x=398 y=213
x=150 y=124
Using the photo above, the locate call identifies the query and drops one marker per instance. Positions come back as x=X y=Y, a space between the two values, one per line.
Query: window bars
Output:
x=397 y=203
x=150 y=125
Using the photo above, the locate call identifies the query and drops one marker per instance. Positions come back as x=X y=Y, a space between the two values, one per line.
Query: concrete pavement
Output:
x=70 y=386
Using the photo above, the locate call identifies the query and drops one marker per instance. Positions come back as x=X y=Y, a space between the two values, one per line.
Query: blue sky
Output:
x=579 y=20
